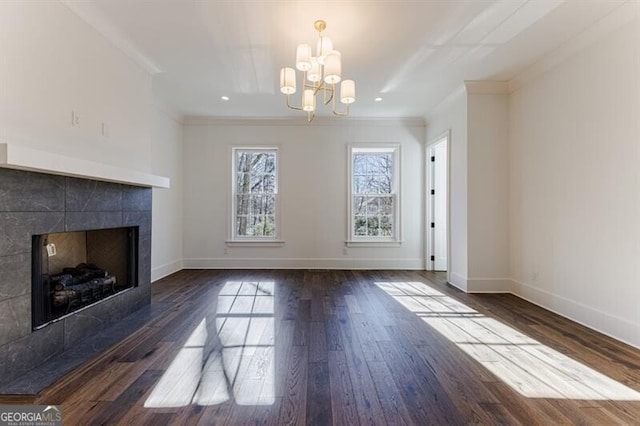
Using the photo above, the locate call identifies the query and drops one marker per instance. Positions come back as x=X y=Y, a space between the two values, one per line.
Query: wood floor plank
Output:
x=364 y=392
x=391 y=401
x=116 y=410
x=346 y=348
x=293 y=409
x=318 y=342
x=343 y=404
x=419 y=384
x=319 y=395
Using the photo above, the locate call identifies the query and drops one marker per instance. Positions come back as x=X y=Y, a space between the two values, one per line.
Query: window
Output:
x=255 y=191
x=374 y=199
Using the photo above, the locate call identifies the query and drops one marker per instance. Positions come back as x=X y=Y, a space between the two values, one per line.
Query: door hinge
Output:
x=433 y=158
x=433 y=225
x=433 y=192
x=433 y=258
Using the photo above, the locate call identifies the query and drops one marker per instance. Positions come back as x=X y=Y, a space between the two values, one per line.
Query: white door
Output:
x=439 y=197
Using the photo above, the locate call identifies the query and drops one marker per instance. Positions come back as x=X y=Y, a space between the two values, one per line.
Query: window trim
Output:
x=253 y=241
x=375 y=241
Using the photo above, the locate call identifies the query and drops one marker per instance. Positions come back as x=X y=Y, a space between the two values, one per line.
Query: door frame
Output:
x=445 y=138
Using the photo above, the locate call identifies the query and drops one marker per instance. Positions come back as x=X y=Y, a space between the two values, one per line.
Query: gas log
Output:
x=81 y=285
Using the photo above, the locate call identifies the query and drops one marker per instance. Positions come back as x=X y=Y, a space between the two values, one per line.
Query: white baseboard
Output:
x=488 y=285
x=613 y=326
x=167 y=269
x=458 y=281
x=301 y=263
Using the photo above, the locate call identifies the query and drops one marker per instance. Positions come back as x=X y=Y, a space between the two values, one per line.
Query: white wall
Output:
x=313 y=191
x=575 y=187
x=478 y=122
x=52 y=63
x=166 y=244
x=488 y=190
x=452 y=115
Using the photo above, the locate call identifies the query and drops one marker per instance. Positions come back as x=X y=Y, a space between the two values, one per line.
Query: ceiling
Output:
x=410 y=53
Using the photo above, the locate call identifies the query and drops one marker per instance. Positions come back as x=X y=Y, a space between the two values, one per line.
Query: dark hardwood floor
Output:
x=347 y=348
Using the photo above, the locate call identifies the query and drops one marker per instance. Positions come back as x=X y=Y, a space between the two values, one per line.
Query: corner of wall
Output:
x=458 y=281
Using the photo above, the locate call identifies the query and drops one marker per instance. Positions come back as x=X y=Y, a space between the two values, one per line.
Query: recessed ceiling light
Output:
x=224 y=98
x=378 y=99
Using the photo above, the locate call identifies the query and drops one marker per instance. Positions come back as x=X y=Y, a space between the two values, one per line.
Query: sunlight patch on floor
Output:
x=235 y=361
x=180 y=381
x=532 y=369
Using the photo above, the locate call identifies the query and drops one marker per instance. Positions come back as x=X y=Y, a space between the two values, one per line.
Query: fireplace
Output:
x=34 y=209
x=73 y=270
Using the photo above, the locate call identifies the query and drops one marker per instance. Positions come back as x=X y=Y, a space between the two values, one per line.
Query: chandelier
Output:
x=320 y=75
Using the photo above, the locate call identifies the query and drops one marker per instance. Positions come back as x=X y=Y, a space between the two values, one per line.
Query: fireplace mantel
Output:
x=23 y=158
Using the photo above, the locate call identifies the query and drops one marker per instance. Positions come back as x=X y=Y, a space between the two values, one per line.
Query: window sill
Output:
x=254 y=243
x=373 y=243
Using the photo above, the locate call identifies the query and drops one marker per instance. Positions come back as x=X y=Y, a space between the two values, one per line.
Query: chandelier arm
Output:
x=334 y=110
x=292 y=106
x=315 y=88
x=341 y=114
x=332 y=91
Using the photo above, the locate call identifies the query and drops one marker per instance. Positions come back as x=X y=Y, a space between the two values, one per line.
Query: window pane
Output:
x=270 y=226
x=385 y=226
x=256 y=183
x=263 y=205
x=360 y=184
x=270 y=163
x=242 y=183
x=359 y=206
x=269 y=184
x=367 y=185
x=380 y=164
x=257 y=205
x=263 y=226
x=258 y=227
x=243 y=161
x=360 y=225
x=372 y=206
x=242 y=205
x=383 y=184
x=359 y=164
x=258 y=163
x=270 y=205
x=241 y=224
x=372 y=225
x=386 y=205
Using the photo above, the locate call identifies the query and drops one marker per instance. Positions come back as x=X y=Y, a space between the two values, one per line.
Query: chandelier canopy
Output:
x=320 y=75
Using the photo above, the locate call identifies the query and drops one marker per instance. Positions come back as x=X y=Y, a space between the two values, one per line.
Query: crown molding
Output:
x=301 y=121
x=620 y=16
x=90 y=14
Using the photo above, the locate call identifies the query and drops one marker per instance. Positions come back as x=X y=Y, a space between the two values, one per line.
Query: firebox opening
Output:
x=71 y=270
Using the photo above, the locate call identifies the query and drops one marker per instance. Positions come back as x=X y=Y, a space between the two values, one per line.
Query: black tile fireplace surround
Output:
x=33 y=204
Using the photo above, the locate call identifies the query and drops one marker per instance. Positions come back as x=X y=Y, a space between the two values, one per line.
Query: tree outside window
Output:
x=255 y=192
x=373 y=193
